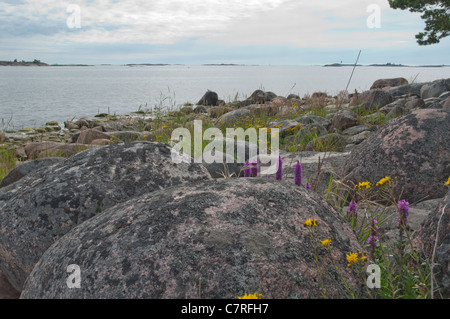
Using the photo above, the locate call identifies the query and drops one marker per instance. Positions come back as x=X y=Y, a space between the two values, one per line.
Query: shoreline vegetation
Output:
x=39 y=63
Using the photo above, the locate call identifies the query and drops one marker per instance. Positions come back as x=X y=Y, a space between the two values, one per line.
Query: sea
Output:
x=32 y=96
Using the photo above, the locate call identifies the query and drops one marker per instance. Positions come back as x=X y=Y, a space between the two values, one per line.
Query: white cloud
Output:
x=319 y=24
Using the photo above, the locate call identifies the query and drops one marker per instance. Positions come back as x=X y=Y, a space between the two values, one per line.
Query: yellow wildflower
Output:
x=352 y=259
x=165 y=126
x=365 y=185
x=325 y=242
x=384 y=180
x=448 y=182
x=310 y=223
x=251 y=296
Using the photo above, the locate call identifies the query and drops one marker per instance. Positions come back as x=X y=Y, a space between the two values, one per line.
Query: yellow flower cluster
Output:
x=383 y=181
x=251 y=296
x=448 y=182
x=353 y=258
x=325 y=242
x=310 y=223
x=362 y=185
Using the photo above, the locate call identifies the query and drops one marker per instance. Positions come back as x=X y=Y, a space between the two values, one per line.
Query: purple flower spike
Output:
x=247 y=170
x=254 y=168
x=352 y=208
x=403 y=210
x=298 y=174
x=279 y=174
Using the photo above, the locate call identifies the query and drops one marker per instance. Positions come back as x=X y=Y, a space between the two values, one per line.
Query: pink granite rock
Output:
x=415 y=148
x=216 y=239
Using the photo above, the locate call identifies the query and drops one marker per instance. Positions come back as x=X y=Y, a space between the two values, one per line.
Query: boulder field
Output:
x=139 y=225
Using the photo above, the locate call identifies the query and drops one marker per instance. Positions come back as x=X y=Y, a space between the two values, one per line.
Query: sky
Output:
x=193 y=32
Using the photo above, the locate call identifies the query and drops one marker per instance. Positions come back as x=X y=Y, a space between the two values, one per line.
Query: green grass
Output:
x=7 y=161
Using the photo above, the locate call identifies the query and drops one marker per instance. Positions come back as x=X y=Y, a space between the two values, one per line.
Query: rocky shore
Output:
x=104 y=194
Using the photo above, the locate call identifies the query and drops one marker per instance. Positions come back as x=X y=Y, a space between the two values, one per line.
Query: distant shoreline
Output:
x=393 y=65
x=35 y=63
x=39 y=63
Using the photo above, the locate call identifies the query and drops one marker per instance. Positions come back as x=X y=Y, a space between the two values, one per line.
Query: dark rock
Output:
x=435 y=88
x=210 y=98
x=405 y=90
x=415 y=102
x=359 y=138
x=433 y=103
x=371 y=100
x=260 y=97
x=231 y=236
x=293 y=96
x=200 y=109
x=42 y=206
x=396 y=111
x=312 y=119
x=88 y=135
x=29 y=167
x=383 y=83
x=343 y=119
x=354 y=130
x=434 y=233
x=444 y=95
x=413 y=148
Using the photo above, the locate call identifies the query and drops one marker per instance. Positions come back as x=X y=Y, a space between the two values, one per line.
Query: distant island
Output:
x=34 y=63
x=386 y=65
x=22 y=63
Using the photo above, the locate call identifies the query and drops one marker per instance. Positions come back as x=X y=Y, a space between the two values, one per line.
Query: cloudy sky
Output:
x=276 y=32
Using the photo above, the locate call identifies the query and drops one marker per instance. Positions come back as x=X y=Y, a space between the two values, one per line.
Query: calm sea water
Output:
x=31 y=96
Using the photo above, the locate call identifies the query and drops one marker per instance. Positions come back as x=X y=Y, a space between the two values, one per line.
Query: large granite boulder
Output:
x=386 y=83
x=435 y=88
x=218 y=239
x=415 y=148
x=44 y=205
x=371 y=100
x=434 y=235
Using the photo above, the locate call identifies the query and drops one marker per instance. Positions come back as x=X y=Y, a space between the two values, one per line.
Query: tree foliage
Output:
x=436 y=15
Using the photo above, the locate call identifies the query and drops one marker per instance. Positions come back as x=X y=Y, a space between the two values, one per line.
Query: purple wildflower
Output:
x=279 y=174
x=254 y=168
x=298 y=174
x=247 y=170
x=403 y=211
x=352 y=209
x=307 y=186
x=372 y=240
